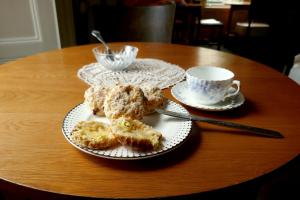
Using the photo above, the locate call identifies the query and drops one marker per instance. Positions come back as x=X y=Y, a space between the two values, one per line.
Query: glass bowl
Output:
x=120 y=58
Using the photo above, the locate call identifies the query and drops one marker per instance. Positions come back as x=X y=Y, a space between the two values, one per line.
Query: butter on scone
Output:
x=136 y=134
x=124 y=101
x=94 y=98
x=94 y=135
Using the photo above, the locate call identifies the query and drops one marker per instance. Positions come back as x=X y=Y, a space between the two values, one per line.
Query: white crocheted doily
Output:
x=155 y=72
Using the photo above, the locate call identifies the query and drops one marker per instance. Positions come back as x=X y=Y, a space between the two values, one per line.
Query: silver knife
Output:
x=251 y=129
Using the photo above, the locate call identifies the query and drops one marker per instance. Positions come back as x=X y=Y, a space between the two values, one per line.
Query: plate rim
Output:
x=146 y=155
x=207 y=107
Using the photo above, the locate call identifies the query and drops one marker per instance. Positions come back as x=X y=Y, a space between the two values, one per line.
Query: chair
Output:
x=215 y=29
x=251 y=35
x=257 y=24
x=134 y=23
x=234 y=8
x=185 y=21
x=188 y=19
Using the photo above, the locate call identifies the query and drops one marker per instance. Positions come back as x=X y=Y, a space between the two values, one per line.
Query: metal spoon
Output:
x=97 y=35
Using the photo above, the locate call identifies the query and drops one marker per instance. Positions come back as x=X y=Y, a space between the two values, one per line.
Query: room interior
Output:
x=262 y=36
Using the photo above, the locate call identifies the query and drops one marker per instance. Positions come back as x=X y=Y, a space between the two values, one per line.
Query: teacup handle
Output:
x=233 y=93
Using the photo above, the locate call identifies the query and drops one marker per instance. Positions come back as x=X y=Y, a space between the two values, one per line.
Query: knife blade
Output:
x=250 y=129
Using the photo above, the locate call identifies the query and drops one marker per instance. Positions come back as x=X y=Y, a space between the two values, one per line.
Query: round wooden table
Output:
x=38 y=91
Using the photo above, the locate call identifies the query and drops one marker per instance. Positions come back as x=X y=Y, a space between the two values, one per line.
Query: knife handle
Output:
x=252 y=129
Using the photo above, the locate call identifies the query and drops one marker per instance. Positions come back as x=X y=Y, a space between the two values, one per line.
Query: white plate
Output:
x=181 y=93
x=174 y=130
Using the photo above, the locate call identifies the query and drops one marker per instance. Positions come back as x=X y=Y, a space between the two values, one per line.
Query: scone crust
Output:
x=124 y=101
x=154 y=98
x=94 y=98
x=94 y=135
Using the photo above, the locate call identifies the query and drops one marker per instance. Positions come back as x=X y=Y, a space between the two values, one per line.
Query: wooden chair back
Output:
x=135 y=23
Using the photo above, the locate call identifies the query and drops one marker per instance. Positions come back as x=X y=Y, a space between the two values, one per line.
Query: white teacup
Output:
x=210 y=85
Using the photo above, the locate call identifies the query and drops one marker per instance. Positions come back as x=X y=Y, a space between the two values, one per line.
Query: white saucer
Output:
x=181 y=93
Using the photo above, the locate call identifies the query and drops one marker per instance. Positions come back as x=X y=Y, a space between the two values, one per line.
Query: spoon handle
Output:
x=97 y=35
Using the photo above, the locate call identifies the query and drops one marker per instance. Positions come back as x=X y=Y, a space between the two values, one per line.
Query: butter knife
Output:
x=251 y=129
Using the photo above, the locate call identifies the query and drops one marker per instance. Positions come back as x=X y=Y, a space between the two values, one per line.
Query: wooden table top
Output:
x=37 y=92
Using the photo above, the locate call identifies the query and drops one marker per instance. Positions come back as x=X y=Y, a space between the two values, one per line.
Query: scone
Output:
x=136 y=134
x=124 y=101
x=94 y=98
x=154 y=98
x=94 y=135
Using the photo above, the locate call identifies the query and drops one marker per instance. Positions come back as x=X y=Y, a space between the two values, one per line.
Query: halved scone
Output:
x=94 y=135
x=136 y=134
x=94 y=98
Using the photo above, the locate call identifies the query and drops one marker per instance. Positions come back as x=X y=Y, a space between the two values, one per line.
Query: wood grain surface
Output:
x=36 y=92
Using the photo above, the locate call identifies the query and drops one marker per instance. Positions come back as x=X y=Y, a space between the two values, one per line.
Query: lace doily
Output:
x=156 y=72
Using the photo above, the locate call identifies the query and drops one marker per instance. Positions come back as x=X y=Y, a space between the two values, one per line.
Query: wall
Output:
x=27 y=27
